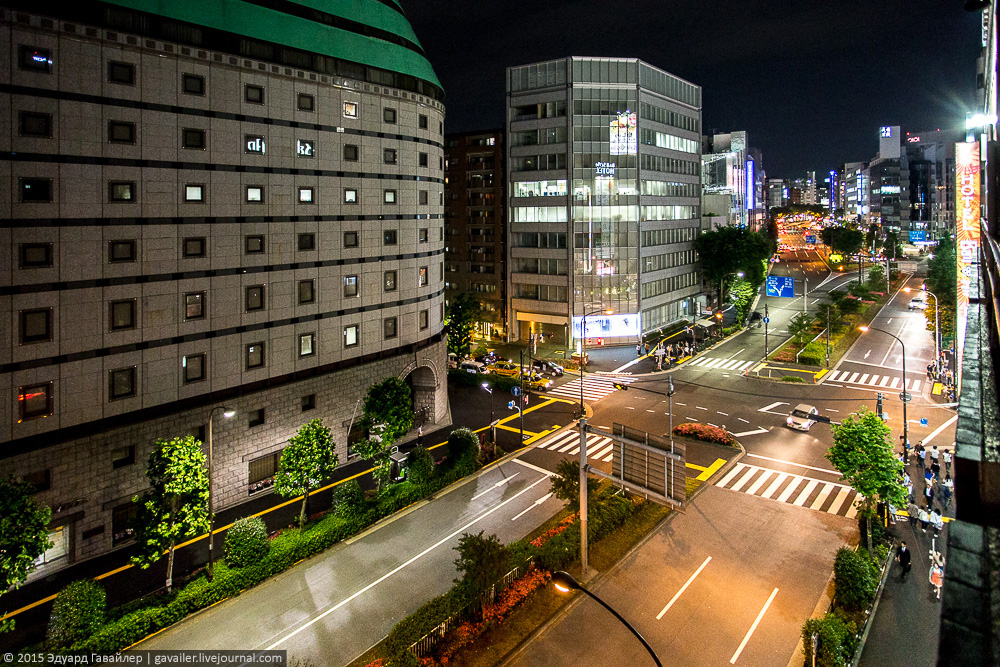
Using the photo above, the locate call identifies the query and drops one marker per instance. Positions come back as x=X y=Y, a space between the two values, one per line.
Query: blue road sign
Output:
x=811 y=239
x=516 y=391
x=511 y=405
x=781 y=286
x=923 y=422
x=767 y=320
x=917 y=235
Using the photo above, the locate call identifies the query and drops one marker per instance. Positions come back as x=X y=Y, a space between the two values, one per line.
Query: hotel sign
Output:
x=967 y=228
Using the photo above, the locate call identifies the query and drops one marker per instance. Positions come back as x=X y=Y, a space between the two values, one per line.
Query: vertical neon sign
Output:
x=967 y=192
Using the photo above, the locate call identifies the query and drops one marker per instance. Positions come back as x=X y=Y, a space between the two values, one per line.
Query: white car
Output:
x=802 y=417
x=917 y=303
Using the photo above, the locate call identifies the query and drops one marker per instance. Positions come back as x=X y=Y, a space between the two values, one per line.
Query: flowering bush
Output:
x=552 y=532
x=706 y=433
x=515 y=595
x=464 y=634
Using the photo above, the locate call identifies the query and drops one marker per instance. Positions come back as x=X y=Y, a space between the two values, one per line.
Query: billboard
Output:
x=624 y=136
x=967 y=191
x=750 y=185
x=600 y=325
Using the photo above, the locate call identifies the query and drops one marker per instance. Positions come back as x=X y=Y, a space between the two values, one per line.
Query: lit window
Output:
x=350 y=196
x=194 y=367
x=35 y=401
x=305 y=195
x=255 y=194
x=194 y=305
x=307 y=344
x=389 y=281
x=255 y=355
x=351 y=335
x=121 y=191
x=422 y=281
x=389 y=196
x=194 y=192
x=350 y=285
x=34 y=59
x=350 y=109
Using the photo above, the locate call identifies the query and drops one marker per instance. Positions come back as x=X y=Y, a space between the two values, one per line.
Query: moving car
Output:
x=917 y=303
x=536 y=382
x=473 y=367
x=545 y=366
x=504 y=368
x=802 y=417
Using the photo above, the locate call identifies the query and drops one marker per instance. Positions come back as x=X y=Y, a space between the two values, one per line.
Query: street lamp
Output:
x=937 y=327
x=903 y=396
x=227 y=413
x=564 y=583
x=583 y=348
x=493 y=429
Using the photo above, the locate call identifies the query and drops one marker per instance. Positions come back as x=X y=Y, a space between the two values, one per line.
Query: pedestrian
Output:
x=947 y=460
x=638 y=349
x=947 y=488
x=936 y=575
x=923 y=456
x=903 y=558
x=935 y=454
x=935 y=520
x=929 y=493
x=647 y=348
x=909 y=488
x=913 y=511
x=906 y=479
x=936 y=469
x=928 y=476
x=924 y=516
x=420 y=436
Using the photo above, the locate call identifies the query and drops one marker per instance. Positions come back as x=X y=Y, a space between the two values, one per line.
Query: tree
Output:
x=308 y=459
x=176 y=505
x=893 y=248
x=24 y=536
x=463 y=445
x=390 y=403
x=463 y=311
x=864 y=455
x=482 y=561
x=942 y=280
x=876 y=278
x=727 y=250
x=800 y=325
x=843 y=239
x=566 y=484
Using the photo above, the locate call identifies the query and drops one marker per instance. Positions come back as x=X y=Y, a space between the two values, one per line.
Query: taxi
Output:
x=536 y=382
x=504 y=369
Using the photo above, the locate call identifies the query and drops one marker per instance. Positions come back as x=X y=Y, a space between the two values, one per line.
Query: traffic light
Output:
x=619 y=385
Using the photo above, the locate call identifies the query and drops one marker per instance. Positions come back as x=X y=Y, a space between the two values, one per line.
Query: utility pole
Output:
x=766 y=320
x=805 y=294
x=670 y=408
x=583 y=498
x=520 y=410
x=828 y=325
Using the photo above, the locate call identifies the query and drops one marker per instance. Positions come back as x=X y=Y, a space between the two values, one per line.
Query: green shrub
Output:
x=348 y=498
x=792 y=378
x=421 y=465
x=77 y=613
x=836 y=641
x=482 y=561
x=246 y=541
x=856 y=578
x=463 y=445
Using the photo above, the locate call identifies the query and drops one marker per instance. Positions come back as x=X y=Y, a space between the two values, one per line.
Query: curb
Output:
x=871 y=614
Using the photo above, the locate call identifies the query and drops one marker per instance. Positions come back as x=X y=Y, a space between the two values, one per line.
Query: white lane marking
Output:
x=775 y=484
x=755 y=487
x=754 y=432
x=864 y=378
x=698 y=407
x=691 y=418
x=884 y=381
x=683 y=588
x=940 y=428
x=832 y=410
x=895 y=383
x=746 y=478
x=770 y=407
x=745 y=421
x=753 y=627
x=806 y=492
x=867 y=353
x=732 y=473
x=533 y=467
x=793 y=463
x=420 y=555
x=735 y=353
x=531 y=507
x=684 y=404
x=854 y=378
x=495 y=486
x=786 y=494
x=724 y=414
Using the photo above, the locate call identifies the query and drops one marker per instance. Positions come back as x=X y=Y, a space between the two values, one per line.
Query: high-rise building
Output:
x=732 y=176
x=203 y=213
x=931 y=161
x=777 y=192
x=604 y=176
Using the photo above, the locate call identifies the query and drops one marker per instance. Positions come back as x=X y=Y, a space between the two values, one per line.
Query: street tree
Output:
x=390 y=403
x=308 y=459
x=375 y=450
x=893 y=248
x=942 y=280
x=863 y=453
x=463 y=311
x=24 y=536
x=728 y=250
x=565 y=484
x=843 y=240
x=482 y=561
x=800 y=325
x=176 y=505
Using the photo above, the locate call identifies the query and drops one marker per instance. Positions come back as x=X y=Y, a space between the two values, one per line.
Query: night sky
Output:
x=811 y=81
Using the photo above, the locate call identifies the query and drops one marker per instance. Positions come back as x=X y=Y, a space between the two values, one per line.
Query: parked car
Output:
x=504 y=368
x=473 y=367
x=917 y=303
x=550 y=367
x=452 y=360
x=536 y=382
x=802 y=417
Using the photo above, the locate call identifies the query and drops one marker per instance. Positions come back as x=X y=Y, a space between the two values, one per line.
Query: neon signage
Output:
x=605 y=168
x=304 y=148
x=967 y=200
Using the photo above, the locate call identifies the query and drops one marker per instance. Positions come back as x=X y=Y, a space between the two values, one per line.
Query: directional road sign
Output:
x=905 y=397
x=516 y=391
x=810 y=239
x=783 y=286
x=766 y=320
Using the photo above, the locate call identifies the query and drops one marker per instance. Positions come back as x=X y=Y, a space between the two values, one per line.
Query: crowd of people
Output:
x=927 y=509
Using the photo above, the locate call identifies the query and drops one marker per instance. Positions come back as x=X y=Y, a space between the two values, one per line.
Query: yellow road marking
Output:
x=516 y=430
x=536 y=438
x=938 y=388
x=694 y=466
x=711 y=470
x=822 y=373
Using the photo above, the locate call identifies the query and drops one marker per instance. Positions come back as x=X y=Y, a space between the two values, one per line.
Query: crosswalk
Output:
x=873 y=380
x=784 y=487
x=595 y=387
x=568 y=442
x=721 y=364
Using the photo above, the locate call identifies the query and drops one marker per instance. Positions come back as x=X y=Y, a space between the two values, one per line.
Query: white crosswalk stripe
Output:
x=814 y=494
x=721 y=363
x=873 y=380
x=595 y=387
x=567 y=441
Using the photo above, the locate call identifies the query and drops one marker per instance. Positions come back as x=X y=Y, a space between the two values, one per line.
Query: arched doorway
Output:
x=423 y=387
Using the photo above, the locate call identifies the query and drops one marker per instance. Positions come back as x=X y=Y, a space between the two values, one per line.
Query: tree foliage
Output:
x=482 y=562
x=308 y=459
x=942 y=280
x=24 y=536
x=799 y=326
x=843 y=240
x=727 y=250
x=176 y=505
x=390 y=403
x=463 y=311
x=565 y=484
x=463 y=444
x=77 y=613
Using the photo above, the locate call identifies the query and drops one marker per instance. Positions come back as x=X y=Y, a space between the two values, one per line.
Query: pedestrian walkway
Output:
x=873 y=380
x=595 y=387
x=721 y=363
x=568 y=442
x=785 y=487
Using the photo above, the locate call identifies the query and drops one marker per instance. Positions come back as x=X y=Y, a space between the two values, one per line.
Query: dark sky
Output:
x=811 y=81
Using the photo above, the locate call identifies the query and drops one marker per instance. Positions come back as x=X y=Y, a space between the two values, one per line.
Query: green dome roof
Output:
x=370 y=32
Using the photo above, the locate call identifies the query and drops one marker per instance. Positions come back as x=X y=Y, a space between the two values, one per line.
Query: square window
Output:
x=122 y=314
x=34 y=124
x=36 y=325
x=389 y=327
x=121 y=383
x=421 y=236
x=307 y=344
x=350 y=196
x=121 y=191
x=305 y=148
x=422 y=277
x=121 y=251
x=34 y=59
x=307 y=291
x=389 y=196
x=424 y=319
x=194 y=192
x=253 y=94
x=350 y=285
x=121 y=73
x=254 y=144
x=389 y=156
x=422 y=197
x=256 y=418
x=192 y=84
x=122 y=456
x=255 y=194
x=120 y=132
x=389 y=281
x=350 y=239
x=35 y=400
x=194 y=367
x=351 y=335
x=255 y=297
x=305 y=102
x=254 y=244
x=123 y=520
x=422 y=159
x=261 y=471
x=422 y=122
x=308 y=402
x=255 y=355
x=389 y=115
x=194 y=247
x=307 y=241
x=389 y=237
x=194 y=305
x=35 y=255
x=193 y=138
x=36 y=189
x=306 y=195
x=350 y=153
x=40 y=480
x=350 y=109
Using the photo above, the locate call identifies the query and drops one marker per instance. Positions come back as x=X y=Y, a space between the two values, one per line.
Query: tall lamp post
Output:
x=937 y=327
x=583 y=347
x=903 y=395
x=493 y=429
x=227 y=413
x=564 y=583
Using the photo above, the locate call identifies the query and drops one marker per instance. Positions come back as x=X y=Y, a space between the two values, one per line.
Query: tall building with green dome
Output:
x=207 y=204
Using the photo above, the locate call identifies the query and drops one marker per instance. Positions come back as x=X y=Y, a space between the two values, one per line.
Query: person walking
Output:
x=936 y=575
x=935 y=520
x=921 y=455
x=638 y=349
x=929 y=494
x=924 y=518
x=947 y=460
x=913 y=511
x=947 y=488
x=647 y=352
x=904 y=558
x=420 y=436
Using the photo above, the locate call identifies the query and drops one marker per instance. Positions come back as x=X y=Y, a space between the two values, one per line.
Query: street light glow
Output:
x=863 y=328
x=229 y=414
x=980 y=120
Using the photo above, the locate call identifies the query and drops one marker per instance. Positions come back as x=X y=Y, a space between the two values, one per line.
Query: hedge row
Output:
x=706 y=433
